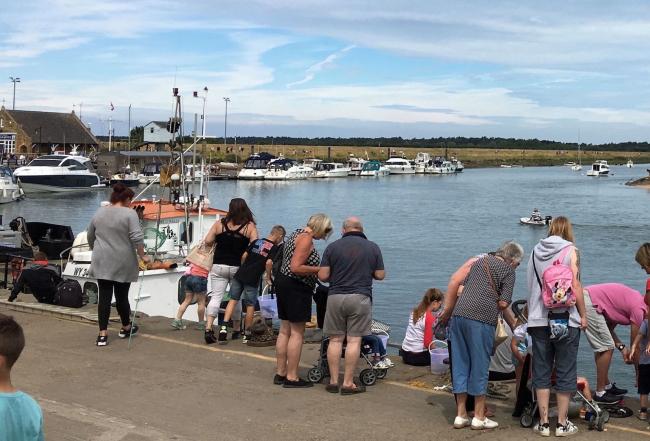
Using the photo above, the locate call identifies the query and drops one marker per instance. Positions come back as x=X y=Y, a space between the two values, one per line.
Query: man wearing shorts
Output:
x=609 y=305
x=349 y=265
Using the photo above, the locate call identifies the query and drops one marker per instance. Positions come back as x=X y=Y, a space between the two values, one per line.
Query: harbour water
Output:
x=428 y=225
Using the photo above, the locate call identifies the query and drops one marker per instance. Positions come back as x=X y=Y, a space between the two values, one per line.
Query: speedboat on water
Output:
x=399 y=166
x=9 y=189
x=256 y=166
x=599 y=168
x=536 y=219
x=287 y=170
x=58 y=173
x=332 y=170
x=374 y=169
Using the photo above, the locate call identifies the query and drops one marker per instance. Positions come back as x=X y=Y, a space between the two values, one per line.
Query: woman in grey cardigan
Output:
x=114 y=235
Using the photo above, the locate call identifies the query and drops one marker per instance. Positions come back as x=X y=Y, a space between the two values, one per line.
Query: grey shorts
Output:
x=348 y=314
x=597 y=332
x=547 y=354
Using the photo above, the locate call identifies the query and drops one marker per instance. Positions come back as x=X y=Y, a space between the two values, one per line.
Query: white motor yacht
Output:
x=9 y=189
x=374 y=169
x=355 y=164
x=332 y=170
x=256 y=166
x=287 y=169
x=58 y=173
x=440 y=167
x=399 y=166
x=421 y=161
x=599 y=168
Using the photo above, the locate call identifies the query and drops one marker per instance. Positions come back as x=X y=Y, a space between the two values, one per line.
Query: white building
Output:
x=156 y=132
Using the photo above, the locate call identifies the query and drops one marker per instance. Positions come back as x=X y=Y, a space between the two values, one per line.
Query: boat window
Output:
x=73 y=164
x=45 y=163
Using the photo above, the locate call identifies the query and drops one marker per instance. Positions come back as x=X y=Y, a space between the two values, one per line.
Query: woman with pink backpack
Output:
x=556 y=314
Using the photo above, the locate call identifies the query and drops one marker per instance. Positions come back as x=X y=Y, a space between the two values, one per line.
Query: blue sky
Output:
x=558 y=70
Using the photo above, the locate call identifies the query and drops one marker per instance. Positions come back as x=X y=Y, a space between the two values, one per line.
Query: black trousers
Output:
x=106 y=290
x=416 y=358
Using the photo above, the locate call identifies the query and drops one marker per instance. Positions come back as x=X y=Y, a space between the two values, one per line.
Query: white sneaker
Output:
x=460 y=422
x=542 y=429
x=484 y=424
x=381 y=364
x=567 y=430
x=387 y=361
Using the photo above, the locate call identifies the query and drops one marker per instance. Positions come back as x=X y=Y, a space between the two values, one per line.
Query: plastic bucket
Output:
x=439 y=352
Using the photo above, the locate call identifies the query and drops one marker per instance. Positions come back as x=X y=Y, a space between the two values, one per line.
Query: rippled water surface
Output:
x=428 y=225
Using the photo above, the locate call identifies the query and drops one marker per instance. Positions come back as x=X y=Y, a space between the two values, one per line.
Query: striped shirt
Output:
x=478 y=301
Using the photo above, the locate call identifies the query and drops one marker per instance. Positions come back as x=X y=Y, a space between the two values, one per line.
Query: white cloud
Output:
x=316 y=68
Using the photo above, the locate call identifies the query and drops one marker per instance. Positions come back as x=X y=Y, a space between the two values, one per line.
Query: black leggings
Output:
x=416 y=358
x=106 y=288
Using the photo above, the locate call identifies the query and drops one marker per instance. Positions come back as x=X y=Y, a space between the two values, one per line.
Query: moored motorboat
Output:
x=255 y=166
x=629 y=163
x=440 y=166
x=399 y=166
x=332 y=170
x=374 y=169
x=57 y=173
x=128 y=179
x=421 y=161
x=599 y=168
x=9 y=189
x=150 y=173
x=287 y=170
x=355 y=164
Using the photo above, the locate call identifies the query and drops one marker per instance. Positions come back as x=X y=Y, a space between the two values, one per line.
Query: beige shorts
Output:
x=348 y=314
x=598 y=334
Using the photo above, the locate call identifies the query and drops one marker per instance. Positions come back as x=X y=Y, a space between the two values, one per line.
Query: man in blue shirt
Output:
x=21 y=418
x=350 y=265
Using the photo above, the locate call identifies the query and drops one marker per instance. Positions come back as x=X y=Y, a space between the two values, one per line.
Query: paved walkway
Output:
x=171 y=386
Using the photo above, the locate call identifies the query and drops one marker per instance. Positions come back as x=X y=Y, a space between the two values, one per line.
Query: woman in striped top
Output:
x=487 y=289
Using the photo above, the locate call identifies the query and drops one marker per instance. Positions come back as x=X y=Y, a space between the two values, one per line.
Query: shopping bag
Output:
x=268 y=306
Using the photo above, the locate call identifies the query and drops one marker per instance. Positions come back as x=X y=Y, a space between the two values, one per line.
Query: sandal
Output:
x=353 y=390
x=332 y=388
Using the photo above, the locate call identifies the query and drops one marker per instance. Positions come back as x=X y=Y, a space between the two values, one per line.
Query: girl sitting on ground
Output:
x=419 y=332
x=196 y=287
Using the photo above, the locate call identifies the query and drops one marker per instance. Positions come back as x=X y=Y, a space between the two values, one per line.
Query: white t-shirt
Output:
x=414 y=338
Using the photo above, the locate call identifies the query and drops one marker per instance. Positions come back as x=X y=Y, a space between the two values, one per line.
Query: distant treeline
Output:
x=459 y=142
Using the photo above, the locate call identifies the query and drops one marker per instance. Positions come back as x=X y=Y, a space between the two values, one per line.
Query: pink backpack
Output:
x=557 y=283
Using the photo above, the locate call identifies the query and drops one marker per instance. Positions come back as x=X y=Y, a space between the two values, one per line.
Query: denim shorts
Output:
x=196 y=284
x=247 y=293
x=563 y=355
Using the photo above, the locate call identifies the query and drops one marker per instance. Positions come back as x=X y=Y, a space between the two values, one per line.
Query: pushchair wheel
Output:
x=367 y=377
x=526 y=420
x=381 y=373
x=315 y=375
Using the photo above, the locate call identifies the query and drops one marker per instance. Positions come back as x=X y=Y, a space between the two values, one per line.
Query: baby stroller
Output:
x=526 y=406
x=368 y=376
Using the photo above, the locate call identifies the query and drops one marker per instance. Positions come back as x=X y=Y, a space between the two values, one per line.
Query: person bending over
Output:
x=40 y=277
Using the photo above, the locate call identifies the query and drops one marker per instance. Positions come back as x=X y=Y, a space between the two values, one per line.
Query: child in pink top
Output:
x=196 y=287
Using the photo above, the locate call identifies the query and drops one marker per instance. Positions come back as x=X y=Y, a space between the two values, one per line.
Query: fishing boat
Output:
x=399 y=166
x=374 y=169
x=58 y=173
x=599 y=168
x=9 y=189
x=578 y=166
x=256 y=166
x=332 y=170
x=284 y=169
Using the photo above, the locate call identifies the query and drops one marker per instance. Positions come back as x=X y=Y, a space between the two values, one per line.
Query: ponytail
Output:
x=432 y=295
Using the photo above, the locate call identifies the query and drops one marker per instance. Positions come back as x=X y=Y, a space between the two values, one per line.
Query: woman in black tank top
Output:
x=232 y=234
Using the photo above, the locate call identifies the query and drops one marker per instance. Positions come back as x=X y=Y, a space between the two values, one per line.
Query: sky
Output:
x=561 y=70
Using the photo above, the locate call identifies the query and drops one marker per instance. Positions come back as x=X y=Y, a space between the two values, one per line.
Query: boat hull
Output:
x=538 y=223
x=57 y=183
x=251 y=174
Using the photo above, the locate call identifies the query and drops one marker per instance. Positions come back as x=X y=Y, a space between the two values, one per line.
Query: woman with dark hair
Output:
x=555 y=333
x=231 y=235
x=295 y=286
x=116 y=238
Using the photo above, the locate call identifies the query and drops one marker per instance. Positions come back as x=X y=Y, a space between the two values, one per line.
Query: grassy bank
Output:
x=472 y=158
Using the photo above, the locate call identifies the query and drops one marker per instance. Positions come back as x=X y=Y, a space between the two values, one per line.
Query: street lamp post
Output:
x=14 y=80
x=225 y=123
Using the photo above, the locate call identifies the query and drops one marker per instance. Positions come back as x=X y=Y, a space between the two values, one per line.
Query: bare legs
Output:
x=334 y=357
x=603 y=360
x=187 y=301
x=288 y=349
x=248 y=320
x=543 y=397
